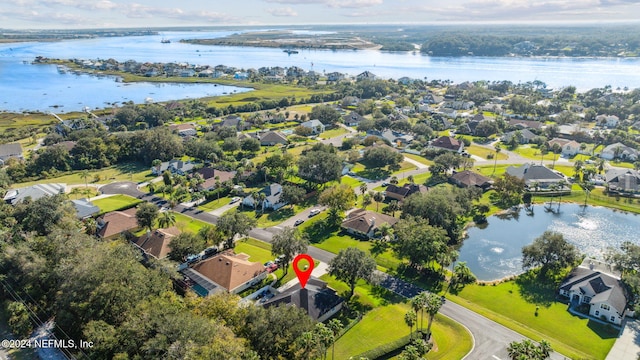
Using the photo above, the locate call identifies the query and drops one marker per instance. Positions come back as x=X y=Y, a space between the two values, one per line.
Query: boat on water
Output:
x=289 y=51
x=165 y=41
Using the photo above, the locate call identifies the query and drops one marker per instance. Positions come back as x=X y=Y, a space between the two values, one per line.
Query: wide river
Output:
x=39 y=87
x=496 y=251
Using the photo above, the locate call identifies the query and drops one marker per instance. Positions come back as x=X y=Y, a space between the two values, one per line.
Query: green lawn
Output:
x=513 y=305
x=214 y=204
x=186 y=223
x=333 y=132
x=271 y=218
x=484 y=152
x=418 y=158
x=488 y=170
x=123 y=172
x=116 y=202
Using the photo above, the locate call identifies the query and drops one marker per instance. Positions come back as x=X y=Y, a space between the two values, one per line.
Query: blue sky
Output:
x=26 y=14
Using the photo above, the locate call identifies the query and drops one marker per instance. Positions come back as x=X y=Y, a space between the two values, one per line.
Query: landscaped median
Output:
x=514 y=306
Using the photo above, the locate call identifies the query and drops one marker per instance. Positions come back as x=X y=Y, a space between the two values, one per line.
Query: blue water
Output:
x=23 y=87
x=496 y=251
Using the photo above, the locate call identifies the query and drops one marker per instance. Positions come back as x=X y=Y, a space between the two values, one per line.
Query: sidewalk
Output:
x=627 y=346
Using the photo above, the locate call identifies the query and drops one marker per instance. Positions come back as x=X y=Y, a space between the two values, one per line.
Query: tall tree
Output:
x=233 y=224
x=419 y=242
x=288 y=243
x=292 y=194
x=146 y=215
x=325 y=113
x=378 y=197
x=350 y=265
x=432 y=305
x=319 y=167
x=550 y=251
x=509 y=190
x=410 y=319
x=185 y=244
x=336 y=326
x=339 y=199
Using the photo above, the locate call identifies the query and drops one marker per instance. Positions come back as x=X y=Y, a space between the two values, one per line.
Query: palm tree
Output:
x=577 y=169
x=586 y=187
x=432 y=306
x=561 y=185
x=394 y=180
x=363 y=188
x=378 y=197
x=85 y=174
x=543 y=152
x=366 y=200
x=335 y=326
x=384 y=231
x=410 y=179
x=393 y=207
x=166 y=219
x=217 y=179
x=418 y=302
x=262 y=197
x=410 y=319
x=495 y=161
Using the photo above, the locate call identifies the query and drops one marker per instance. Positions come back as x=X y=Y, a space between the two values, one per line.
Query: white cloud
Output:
x=331 y=3
x=284 y=12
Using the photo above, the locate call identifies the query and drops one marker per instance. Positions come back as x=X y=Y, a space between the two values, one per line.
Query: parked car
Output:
x=208 y=252
x=234 y=200
x=385 y=184
x=273 y=267
x=314 y=212
x=298 y=222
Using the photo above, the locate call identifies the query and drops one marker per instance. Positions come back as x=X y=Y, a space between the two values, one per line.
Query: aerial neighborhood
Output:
x=191 y=213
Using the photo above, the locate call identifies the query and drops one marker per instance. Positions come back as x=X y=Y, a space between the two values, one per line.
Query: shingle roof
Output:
x=13 y=149
x=602 y=287
x=364 y=221
x=316 y=298
x=273 y=137
x=157 y=243
x=229 y=270
x=116 y=222
x=469 y=178
x=446 y=142
x=532 y=172
x=84 y=208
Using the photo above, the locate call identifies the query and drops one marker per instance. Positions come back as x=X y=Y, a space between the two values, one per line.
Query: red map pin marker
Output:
x=303 y=275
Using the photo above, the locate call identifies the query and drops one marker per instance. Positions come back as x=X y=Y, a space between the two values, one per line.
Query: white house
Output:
x=273 y=200
x=598 y=285
x=569 y=147
x=315 y=125
x=609 y=121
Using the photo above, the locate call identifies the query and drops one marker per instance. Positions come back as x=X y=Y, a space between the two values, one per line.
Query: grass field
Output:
x=513 y=304
x=123 y=172
x=186 y=223
x=418 y=158
x=116 y=202
x=484 y=152
x=333 y=132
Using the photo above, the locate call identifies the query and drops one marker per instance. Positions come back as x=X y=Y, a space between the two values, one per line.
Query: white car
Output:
x=314 y=212
x=234 y=200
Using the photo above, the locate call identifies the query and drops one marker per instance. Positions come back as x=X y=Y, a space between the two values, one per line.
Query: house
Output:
x=225 y=272
x=209 y=175
x=609 y=121
x=174 y=166
x=397 y=139
x=448 y=143
x=538 y=176
x=116 y=222
x=569 y=147
x=364 y=223
x=432 y=99
x=273 y=201
x=568 y=131
x=399 y=193
x=84 y=208
x=526 y=136
x=319 y=301
x=335 y=76
x=157 y=243
x=525 y=124
x=12 y=150
x=353 y=119
x=184 y=130
x=187 y=73
x=619 y=151
x=34 y=192
x=272 y=138
x=623 y=180
x=448 y=112
x=315 y=125
x=241 y=75
x=232 y=121
x=469 y=178
x=406 y=80
x=597 y=285
x=368 y=75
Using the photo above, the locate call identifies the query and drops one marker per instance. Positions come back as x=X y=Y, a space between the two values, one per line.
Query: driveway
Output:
x=122 y=187
x=627 y=346
x=221 y=210
x=303 y=215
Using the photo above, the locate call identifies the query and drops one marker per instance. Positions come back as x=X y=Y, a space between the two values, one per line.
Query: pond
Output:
x=495 y=251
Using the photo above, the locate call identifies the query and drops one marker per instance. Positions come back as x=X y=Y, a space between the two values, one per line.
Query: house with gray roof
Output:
x=597 y=285
x=526 y=136
x=174 y=166
x=272 y=138
x=34 y=192
x=619 y=151
x=7 y=151
x=318 y=300
x=624 y=181
x=364 y=223
x=273 y=201
x=353 y=119
x=538 y=176
x=84 y=208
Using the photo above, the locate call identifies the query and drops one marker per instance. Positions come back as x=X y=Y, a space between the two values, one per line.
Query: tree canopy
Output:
x=350 y=265
x=550 y=251
x=288 y=243
x=319 y=167
x=420 y=242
